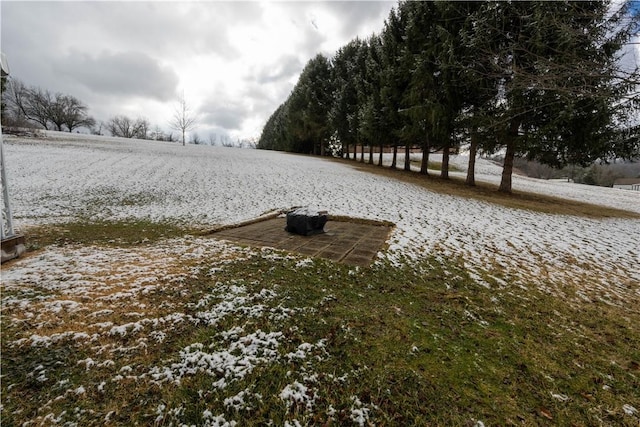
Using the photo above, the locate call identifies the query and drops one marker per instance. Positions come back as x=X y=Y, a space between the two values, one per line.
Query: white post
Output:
x=7 y=218
x=12 y=245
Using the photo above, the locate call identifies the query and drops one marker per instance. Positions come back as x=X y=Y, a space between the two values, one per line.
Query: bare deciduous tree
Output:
x=70 y=112
x=195 y=139
x=183 y=119
x=158 y=134
x=126 y=127
x=96 y=129
x=48 y=110
x=226 y=141
x=14 y=100
x=34 y=104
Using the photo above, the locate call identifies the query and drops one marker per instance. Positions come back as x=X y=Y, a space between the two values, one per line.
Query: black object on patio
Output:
x=306 y=222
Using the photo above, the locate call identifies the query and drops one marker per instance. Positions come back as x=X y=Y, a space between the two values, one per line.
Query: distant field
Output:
x=481 y=311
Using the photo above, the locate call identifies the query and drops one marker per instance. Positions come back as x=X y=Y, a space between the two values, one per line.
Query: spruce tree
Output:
x=343 y=115
x=560 y=87
x=309 y=106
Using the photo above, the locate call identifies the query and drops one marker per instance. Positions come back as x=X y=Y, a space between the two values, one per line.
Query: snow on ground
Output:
x=77 y=176
x=604 y=196
x=490 y=172
x=96 y=296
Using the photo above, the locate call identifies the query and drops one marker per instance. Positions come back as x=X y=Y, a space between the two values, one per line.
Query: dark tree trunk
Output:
x=473 y=150
x=346 y=151
x=444 y=168
x=355 y=151
x=362 y=152
x=407 y=157
x=507 y=168
x=380 y=154
x=395 y=156
x=424 y=166
x=370 y=154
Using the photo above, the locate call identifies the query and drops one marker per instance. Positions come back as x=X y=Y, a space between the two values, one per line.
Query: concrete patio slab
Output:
x=350 y=242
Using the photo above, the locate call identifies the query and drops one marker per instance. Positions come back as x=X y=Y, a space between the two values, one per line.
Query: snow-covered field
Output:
x=77 y=176
x=95 y=296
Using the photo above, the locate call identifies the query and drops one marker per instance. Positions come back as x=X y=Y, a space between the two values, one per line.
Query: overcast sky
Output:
x=235 y=61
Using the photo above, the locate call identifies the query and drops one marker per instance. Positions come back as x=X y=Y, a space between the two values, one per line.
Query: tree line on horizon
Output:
x=27 y=106
x=30 y=106
x=535 y=80
x=23 y=106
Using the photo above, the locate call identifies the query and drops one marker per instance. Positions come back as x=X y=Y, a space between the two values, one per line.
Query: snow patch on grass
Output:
x=297 y=394
x=100 y=298
x=166 y=181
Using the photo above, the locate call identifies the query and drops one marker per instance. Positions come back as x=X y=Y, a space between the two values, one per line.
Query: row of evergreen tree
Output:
x=541 y=80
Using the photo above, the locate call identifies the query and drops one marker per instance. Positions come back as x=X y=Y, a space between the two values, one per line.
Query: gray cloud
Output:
x=355 y=14
x=355 y=17
x=281 y=70
x=223 y=115
x=126 y=73
x=124 y=57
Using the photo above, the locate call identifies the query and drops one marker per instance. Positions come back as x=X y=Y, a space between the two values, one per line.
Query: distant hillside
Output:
x=598 y=174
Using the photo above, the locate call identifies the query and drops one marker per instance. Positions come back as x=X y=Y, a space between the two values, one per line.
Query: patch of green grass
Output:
x=416 y=345
x=102 y=232
x=430 y=346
